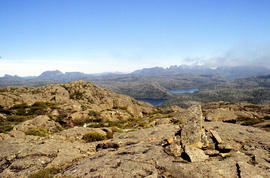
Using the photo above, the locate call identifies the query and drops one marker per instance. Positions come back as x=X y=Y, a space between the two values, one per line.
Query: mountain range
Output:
x=229 y=73
x=153 y=83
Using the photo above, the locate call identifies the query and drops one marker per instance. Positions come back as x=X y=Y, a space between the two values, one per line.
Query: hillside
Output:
x=81 y=130
x=75 y=101
x=255 y=89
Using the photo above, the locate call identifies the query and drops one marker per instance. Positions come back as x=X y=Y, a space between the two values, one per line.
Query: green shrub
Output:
x=46 y=173
x=119 y=124
x=5 y=128
x=115 y=129
x=3 y=110
x=93 y=113
x=19 y=106
x=76 y=95
x=120 y=107
x=15 y=118
x=109 y=135
x=249 y=121
x=143 y=124
x=40 y=108
x=79 y=122
x=20 y=109
x=37 y=132
x=176 y=121
x=35 y=110
x=266 y=118
x=93 y=136
x=44 y=104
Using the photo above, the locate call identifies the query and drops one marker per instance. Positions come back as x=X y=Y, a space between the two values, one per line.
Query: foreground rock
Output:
x=142 y=151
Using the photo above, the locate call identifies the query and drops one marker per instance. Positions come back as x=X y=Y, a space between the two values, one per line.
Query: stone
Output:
x=246 y=170
x=216 y=136
x=163 y=121
x=197 y=145
x=176 y=109
x=173 y=149
x=39 y=122
x=140 y=151
x=225 y=146
x=16 y=133
x=3 y=116
x=55 y=112
x=195 y=154
x=224 y=155
x=191 y=131
x=220 y=114
x=211 y=152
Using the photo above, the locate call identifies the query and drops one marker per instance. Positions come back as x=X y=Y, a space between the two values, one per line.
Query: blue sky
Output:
x=94 y=36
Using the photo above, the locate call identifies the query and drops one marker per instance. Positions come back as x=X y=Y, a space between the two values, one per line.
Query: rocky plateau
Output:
x=81 y=130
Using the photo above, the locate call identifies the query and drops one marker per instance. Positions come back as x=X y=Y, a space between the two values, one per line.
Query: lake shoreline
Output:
x=159 y=102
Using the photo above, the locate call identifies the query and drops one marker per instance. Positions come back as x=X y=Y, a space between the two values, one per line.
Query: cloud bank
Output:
x=241 y=56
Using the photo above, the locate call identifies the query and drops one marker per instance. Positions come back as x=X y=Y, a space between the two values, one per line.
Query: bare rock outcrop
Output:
x=74 y=100
x=179 y=143
x=40 y=122
x=221 y=114
x=143 y=151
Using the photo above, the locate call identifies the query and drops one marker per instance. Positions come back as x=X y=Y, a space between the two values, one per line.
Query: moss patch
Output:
x=37 y=132
x=46 y=173
x=15 y=118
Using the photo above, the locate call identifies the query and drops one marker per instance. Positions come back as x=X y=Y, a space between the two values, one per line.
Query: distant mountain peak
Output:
x=51 y=74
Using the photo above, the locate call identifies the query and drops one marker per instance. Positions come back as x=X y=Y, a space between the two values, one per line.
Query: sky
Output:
x=94 y=36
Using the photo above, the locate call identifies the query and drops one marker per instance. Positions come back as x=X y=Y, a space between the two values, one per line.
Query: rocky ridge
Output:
x=74 y=102
x=151 y=142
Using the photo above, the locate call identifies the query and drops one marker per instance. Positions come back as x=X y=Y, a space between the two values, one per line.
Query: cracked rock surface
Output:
x=193 y=148
x=137 y=154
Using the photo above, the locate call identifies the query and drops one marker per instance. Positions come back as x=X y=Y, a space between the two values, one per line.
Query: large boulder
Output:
x=221 y=114
x=191 y=130
x=40 y=122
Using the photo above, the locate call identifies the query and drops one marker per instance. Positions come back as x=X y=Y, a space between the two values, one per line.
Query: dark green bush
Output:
x=5 y=128
x=249 y=121
x=37 y=132
x=266 y=118
x=93 y=136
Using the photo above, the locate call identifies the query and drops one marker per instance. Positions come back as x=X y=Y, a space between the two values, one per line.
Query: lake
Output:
x=158 y=102
x=190 y=90
x=155 y=102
